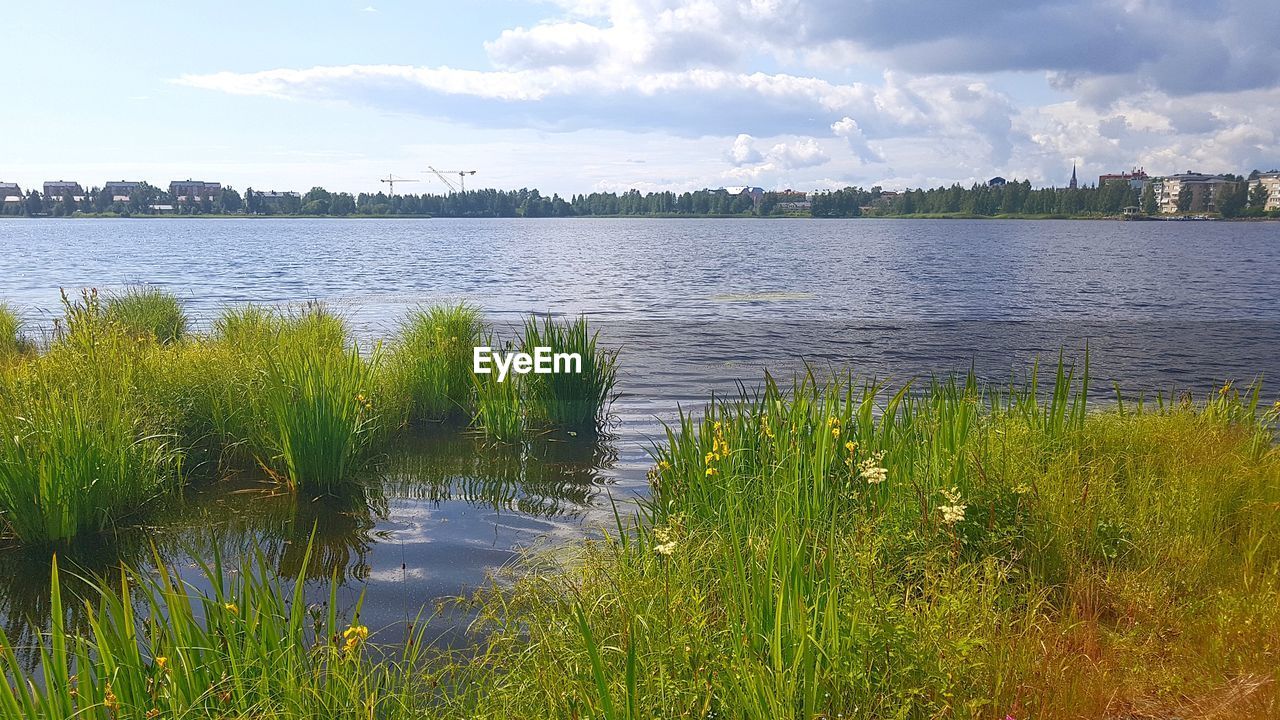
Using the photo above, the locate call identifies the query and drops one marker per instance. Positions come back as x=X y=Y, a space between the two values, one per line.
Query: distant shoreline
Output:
x=654 y=216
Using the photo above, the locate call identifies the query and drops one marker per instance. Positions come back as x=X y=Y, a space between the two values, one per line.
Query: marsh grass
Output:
x=11 y=340
x=246 y=647
x=838 y=549
x=319 y=416
x=150 y=312
x=78 y=452
x=499 y=406
x=574 y=401
x=431 y=362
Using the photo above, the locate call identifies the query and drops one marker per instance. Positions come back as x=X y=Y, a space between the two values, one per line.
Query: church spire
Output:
x=1073 y=177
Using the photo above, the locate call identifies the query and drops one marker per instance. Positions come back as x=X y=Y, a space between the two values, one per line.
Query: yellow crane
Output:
x=391 y=181
x=462 y=178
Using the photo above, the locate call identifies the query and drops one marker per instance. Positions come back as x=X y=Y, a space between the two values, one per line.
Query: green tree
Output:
x=1230 y=198
x=1185 y=196
x=1149 y=204
x=229 y=201
x=251 y=204
x=1258 y=196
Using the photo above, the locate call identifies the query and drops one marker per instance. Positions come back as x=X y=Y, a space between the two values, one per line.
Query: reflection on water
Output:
x=430 y=519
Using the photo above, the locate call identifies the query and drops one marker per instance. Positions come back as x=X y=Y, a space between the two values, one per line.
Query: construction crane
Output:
x=391 y=181
x=462 y=178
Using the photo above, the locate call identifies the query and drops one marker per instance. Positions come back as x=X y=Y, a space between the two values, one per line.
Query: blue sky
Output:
x=579 y=95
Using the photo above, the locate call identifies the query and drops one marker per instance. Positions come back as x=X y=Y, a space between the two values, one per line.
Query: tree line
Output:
x=1236 y=197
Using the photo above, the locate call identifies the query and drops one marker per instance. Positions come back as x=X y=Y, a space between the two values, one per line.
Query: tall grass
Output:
x=150 y=312
x=11 y=342
x=246 y=647
x=837 y=549
x=499 y=406
x=319 y=416
x=431 y=361
x=573 y=400
x=77 y=452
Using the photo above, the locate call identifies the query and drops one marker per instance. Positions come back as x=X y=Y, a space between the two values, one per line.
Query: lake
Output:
x=694 y=307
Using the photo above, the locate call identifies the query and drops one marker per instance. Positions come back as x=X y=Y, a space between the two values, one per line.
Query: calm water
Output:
x=693 y=305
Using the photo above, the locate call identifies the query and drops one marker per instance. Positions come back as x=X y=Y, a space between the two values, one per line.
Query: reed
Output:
x=431 y=362
x=11 y=342
x=247 y=646
x=150 y=312
x=78 y=452
x=499 y=406
x=835 y=548
x=318 y=416
x=575 y=401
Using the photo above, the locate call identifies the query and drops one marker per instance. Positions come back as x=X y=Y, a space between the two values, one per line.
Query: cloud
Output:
x=847 y=128
x=941 y=88
x=743 y=151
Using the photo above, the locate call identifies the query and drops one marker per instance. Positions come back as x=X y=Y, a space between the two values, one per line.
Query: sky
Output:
x=575 y=96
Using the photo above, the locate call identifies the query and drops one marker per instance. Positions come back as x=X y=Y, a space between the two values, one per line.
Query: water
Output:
x=694 y=306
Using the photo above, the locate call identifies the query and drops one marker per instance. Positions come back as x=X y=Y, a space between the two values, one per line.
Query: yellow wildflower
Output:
x=231 y=608
x=162 y=662
x=712 y=472
x=353 y=636
x=667 y=548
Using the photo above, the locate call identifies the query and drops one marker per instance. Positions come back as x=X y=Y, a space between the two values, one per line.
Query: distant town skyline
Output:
x=575 y=96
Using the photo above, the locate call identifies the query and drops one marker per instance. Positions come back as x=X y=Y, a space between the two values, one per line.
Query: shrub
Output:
x=150 y=312
x=499 y=412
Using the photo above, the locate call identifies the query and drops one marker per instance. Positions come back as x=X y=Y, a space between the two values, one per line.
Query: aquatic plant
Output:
x=571 y=400
x=431 y=361
x=11 y=342
x=318 y=416
x=833 y=548
x=77 y=452
x=499 y=406
x=248 y=646
x=148 y=311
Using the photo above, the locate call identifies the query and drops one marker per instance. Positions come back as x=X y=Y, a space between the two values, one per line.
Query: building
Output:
x=1271 y=181
x=10 y=192
x=792 y=201
x=277 y=202
x=997 y=181
x=1072 y=184
x=120 y=191
x=199 y=190
x=62 y=189
x=1137 y=179
x=1203 y=188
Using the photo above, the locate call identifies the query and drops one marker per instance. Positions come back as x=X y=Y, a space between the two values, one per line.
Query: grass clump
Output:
x=318 y=416
x=499 y=406
x=571 y=400
x=150 y=312
x=11 y=342
x=78 y=452
x=431 y=362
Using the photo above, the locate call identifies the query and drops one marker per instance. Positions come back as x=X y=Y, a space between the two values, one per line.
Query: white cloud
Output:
x=743 y=151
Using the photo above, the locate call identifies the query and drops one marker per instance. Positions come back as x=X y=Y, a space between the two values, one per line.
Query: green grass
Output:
x=575 y=401
x=11 y=341
x=824 y=549
x=499 y=406
x=839 y=550
x=319 y=416
x=431 y=361
x=245 y=648
x=150 y=312
x=77 y=450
